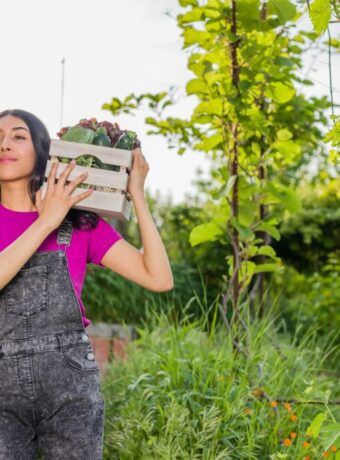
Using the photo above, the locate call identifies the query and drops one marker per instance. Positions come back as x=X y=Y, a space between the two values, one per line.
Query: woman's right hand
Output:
x=57 y=200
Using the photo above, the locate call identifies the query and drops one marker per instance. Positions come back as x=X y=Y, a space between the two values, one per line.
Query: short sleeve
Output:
x=100 y=241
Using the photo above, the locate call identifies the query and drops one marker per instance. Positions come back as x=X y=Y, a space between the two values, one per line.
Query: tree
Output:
x=260 y=131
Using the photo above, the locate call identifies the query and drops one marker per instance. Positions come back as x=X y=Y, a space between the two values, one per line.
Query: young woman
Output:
x=50 y=396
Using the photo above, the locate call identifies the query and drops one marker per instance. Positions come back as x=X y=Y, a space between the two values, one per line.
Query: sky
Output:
x=111 y=48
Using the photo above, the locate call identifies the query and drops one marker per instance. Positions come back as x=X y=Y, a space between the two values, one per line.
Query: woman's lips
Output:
x=7 y=160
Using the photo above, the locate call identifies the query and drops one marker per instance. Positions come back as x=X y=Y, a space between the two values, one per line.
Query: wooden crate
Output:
x=114 y=204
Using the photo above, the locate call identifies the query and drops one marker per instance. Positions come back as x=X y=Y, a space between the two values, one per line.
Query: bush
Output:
x=311 y=300
x=184 y=393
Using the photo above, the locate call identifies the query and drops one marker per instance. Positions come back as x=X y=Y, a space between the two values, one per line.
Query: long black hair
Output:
x=41 y=141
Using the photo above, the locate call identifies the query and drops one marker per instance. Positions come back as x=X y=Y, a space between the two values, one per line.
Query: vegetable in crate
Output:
x=102 y=133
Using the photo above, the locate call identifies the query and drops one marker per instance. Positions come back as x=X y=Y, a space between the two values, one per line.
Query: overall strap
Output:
x=65 y=233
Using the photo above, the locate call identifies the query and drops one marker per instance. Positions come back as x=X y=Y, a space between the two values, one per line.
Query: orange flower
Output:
x=325 y=454
x=293 y=435
x=287 y=442
x=293 y=418
x=273 y=403
x=287 y=406
x=306 y=444
x=333 y=449
x=307 y=457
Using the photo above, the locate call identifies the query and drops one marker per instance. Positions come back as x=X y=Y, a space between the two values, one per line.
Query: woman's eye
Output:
x=19 y=137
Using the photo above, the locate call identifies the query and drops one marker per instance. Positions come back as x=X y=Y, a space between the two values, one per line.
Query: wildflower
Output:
x=306 y=444
x=293 y=435
x=325 y=453
x=307 y=457
x=333 y=449
x=293 y=418
x=257 y=392
x=273 y=403
x=287 y=406
x=247 y=411
x=287 y=442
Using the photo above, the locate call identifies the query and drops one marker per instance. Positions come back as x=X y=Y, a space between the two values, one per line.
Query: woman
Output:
x=50 y=396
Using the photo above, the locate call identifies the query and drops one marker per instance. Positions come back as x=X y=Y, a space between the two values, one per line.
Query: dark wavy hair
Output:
x=41 y=141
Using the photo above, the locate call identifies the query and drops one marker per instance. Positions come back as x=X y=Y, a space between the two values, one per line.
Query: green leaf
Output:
x=288 y=148
x=320 y=15
x=203 y=233
x=196 y=86
x=331 y=435
x=79 y=134
x=209 y=143
x=280 y=92
x=267 y=251
x=212 y=107
x=247 y=269
x=196 y=14
x=255 y=147
x=287 y=196
x=265 y=268
x=315 y=427
x=281 y=60
x=284 y=9
x=248 y=13
x=284 y=134
x=244 y=232
x=193 y=36
x=246 y=213
x=188 y=2
x=270 y=229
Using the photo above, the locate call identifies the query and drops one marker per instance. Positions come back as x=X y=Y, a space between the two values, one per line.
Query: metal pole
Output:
x=62 y=90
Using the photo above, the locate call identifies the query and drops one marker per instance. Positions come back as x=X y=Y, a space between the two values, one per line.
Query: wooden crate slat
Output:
x=106 y=204
x=109 y=155
x=101 y=177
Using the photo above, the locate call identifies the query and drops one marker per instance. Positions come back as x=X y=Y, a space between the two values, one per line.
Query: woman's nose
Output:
x=4 y=145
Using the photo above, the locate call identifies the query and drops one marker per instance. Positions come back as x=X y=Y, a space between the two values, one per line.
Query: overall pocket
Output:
x=26 y=294
x=80 y=357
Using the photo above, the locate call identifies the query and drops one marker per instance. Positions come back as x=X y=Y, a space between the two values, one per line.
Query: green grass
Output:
x=185 y=393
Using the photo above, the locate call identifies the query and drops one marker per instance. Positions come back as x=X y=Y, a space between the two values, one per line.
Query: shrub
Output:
x=183 y=393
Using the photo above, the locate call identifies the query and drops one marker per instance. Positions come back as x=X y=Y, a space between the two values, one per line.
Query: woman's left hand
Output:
x=138 y=173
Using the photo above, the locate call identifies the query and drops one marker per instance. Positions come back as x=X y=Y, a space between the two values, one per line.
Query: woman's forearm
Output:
x=154 y=254
x=14 y=256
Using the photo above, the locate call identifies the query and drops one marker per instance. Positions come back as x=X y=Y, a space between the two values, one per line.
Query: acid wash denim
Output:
x=50 y=395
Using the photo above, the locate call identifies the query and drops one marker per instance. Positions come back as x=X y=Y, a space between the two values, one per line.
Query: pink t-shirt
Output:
x=87 y=246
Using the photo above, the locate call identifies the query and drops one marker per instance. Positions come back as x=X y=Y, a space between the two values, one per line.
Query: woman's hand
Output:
x=57 y=200
x=138 y=173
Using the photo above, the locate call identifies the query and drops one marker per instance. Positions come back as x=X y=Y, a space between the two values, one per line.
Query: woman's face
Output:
x=15 y=142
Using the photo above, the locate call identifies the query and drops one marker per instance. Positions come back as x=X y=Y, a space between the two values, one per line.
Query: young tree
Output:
x=251 y=119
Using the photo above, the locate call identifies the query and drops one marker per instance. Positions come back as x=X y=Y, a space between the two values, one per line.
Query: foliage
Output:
x=306 y=291
x=311 y=235
x=184 y=394
x=251 y=119
x=113 y=299
x=320 y=12
x=311 y=299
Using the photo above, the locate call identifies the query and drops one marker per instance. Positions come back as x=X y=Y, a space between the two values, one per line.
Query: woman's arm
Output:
x=14 y=256
x=150 y=268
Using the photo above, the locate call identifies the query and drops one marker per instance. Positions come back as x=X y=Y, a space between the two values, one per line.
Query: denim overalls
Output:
x=50 y=395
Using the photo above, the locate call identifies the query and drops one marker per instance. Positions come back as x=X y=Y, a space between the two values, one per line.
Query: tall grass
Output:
x=185 y=393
